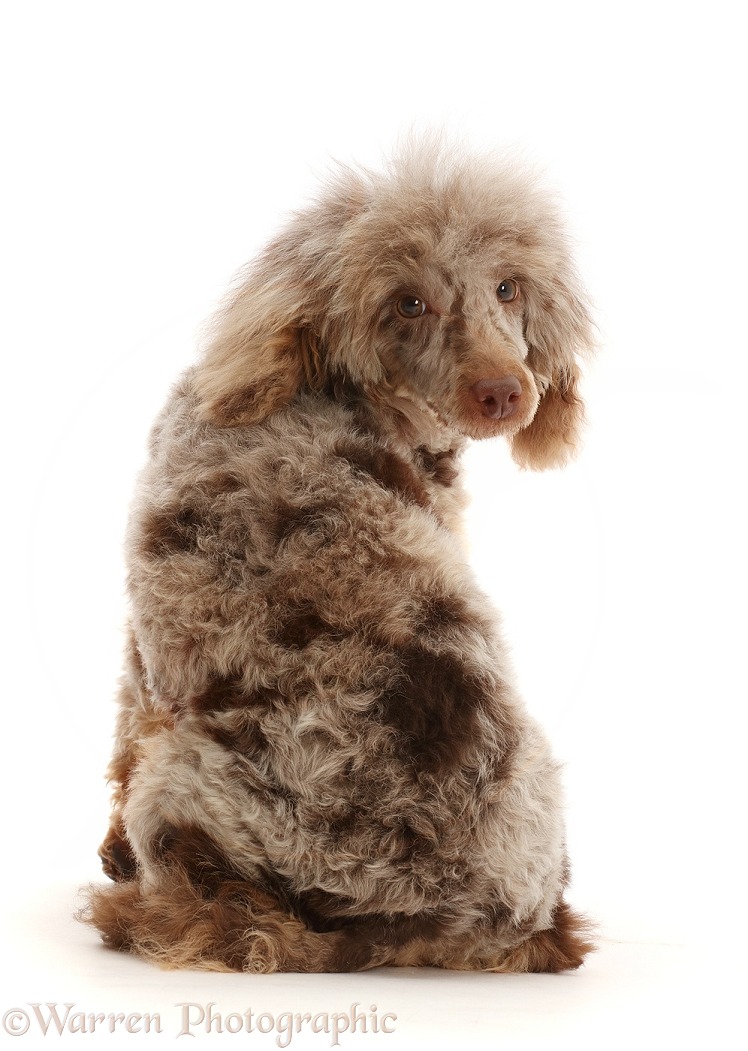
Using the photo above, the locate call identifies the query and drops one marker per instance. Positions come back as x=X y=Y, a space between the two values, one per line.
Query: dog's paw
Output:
x=117 y=859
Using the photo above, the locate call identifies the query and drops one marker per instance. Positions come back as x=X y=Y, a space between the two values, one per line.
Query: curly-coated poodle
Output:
x=321 y=760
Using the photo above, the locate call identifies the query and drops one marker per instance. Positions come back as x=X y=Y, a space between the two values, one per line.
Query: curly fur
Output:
x=321 y=759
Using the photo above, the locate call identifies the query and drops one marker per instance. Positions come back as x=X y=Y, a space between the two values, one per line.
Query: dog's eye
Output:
x=507 y=291
x=410 y=307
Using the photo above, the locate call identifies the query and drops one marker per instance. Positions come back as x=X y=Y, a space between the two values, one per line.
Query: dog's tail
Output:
x=238 y=928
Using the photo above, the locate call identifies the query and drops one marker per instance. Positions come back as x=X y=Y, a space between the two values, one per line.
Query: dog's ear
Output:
x=263 y=349
x=557 y=329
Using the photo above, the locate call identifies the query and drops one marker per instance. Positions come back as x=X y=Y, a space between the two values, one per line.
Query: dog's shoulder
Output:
x=312 y=449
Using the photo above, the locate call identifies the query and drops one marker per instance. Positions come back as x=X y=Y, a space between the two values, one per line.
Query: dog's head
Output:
x=445 y=281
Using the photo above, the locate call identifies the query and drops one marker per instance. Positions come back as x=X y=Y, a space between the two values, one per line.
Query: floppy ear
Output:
x=556 y=330
x=263 y=350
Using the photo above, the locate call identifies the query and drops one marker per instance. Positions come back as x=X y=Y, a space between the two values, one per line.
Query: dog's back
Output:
x=321 y=762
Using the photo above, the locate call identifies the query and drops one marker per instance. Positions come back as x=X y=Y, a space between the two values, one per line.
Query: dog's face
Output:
x=449 y=330
x=448 y=284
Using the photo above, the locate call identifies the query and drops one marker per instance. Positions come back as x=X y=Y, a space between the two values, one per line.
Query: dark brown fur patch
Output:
x=394 y=930
x=169 y=530
x=196 y=854
x=117 y=859
x=434 y=706
x=442 y=615
x=441 y=466
x=302 y=627
x=497 y=915
x=562 y=947
x=244 y=736
x=318 y=909
x=389 y=470
x=323 y=912
x=221 y=694
x=287 y=518
x=340 y=387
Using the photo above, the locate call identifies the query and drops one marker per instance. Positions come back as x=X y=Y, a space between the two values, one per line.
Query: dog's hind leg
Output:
x=561 y=947
x=188 y=907
x=138 y=718
x=238 y=928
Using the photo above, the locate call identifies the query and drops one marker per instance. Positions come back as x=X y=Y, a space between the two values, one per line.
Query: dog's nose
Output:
x=497 y=398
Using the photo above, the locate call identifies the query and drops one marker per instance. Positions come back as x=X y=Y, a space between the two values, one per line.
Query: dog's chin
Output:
x=479 y=427
x=474 y=424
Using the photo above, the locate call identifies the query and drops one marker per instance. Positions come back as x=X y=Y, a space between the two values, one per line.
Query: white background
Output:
x=148 y=151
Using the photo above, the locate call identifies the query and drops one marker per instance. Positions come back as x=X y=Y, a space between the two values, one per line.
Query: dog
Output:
x=321 y=760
